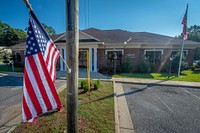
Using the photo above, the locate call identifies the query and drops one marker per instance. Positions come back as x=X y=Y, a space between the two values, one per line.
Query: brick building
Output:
x=104 y=44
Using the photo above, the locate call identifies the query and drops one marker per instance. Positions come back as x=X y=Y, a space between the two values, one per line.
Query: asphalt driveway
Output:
x=162 y=109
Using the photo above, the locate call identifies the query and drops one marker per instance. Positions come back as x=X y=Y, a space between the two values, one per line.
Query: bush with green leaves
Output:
x=192 y=67
x=127 y=65
x=144 y=66
x=197 y=54
x=96 y=85
x=176 y=61
x=6 y=57
x=197 y=66
x=84 y=85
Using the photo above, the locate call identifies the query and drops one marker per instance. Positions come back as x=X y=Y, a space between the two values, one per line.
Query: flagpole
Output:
x=28 y=5
x=181 y=56
x=72 y=47
x=184 y=36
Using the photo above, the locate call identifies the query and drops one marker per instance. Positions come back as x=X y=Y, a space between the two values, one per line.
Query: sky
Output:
x=156 y=16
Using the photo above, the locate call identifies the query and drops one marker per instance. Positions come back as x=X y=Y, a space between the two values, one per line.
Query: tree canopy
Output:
x=10 y=36
x=49 y=29
x=194 y=33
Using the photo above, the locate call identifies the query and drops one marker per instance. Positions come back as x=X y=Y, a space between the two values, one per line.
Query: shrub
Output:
x=175 y=63
x=5 y=59
x=192 y=67
x=144 y=66
x=84 y=85
x=197 y=54
x=197 y=66
x=96 y=85
x=127 y=65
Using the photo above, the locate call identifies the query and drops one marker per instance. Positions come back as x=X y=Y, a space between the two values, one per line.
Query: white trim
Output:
x=65 y=57
x=179 y=50
x=106 y=52
x=153 y=50
x=61 y=62
x=95 y=59
x=59 y=37
x=90 y=51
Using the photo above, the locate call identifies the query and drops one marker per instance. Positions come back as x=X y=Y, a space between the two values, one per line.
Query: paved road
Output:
x=11 y=96
x=161 y=109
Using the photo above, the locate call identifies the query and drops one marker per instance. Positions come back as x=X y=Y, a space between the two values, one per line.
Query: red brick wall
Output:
x=101 y=58
x=138 y=54
x=136 y=58
x=190 y=56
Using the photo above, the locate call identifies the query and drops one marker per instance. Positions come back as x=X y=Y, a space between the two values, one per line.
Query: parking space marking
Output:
x=161 y=100
x=192 y=94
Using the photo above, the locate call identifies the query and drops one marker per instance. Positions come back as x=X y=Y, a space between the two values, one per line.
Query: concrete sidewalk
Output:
x=157 y=82
x=123 y=122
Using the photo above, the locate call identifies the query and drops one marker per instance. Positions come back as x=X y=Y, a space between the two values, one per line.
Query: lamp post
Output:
x=170 y=67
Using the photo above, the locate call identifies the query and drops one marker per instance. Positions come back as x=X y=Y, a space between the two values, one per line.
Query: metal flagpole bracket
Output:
x=28 y=5
x=68 y=69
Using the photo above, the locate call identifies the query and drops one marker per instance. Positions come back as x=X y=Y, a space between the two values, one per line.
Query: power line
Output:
x=87 y=13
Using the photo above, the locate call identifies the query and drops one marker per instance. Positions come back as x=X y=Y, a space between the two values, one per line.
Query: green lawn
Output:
x=186 y=75
x=8 y=68
x=95 y=114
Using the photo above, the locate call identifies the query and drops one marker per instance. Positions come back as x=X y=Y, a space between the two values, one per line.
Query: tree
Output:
x=194 y=33
x=49 y=29
x=144 y=66
x=127 y=65
x=10 y=36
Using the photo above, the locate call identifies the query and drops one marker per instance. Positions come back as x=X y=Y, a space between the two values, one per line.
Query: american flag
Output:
x=184 y=22
x=39 y=93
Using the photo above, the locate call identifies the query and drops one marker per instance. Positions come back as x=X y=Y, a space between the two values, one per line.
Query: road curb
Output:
x=159 y=84
x=125 y=121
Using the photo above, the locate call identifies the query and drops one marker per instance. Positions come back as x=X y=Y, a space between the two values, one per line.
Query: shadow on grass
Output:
x=49 y=113
x=99 y=99
x=8 y=68
x=196 y=72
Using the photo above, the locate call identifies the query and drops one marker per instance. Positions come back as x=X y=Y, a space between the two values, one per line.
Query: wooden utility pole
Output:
x=72 y=47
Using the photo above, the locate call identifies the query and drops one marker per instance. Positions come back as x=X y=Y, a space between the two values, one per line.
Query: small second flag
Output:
x=184 y=22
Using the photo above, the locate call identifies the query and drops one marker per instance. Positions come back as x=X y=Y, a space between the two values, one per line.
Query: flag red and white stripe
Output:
x=39 y=93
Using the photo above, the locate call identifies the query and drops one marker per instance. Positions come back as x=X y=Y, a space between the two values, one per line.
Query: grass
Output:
x=186 y=75
x=8 y=68
x=95 y=113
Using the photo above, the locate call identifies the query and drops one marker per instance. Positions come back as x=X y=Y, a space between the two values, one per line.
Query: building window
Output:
x=154 y=56
x=174 y=52
x=114 y=57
